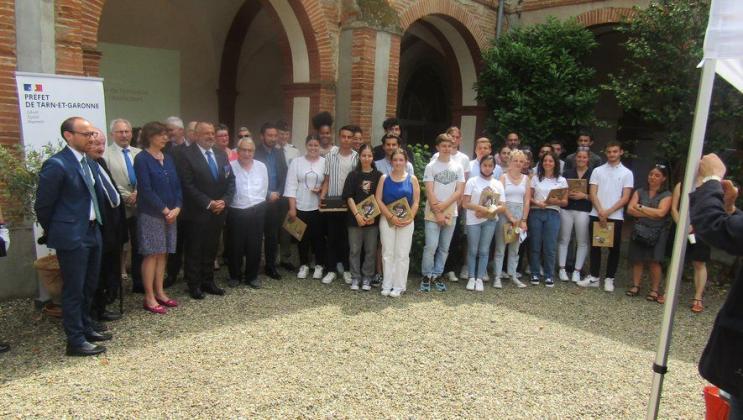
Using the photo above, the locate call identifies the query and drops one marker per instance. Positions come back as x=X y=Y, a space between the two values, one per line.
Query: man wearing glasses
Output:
x=69 y=204
x=120 y=160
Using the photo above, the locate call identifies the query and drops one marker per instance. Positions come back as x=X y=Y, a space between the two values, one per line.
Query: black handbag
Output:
x=646 y=235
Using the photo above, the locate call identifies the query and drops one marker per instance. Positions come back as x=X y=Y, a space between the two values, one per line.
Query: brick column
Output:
x=367 y=78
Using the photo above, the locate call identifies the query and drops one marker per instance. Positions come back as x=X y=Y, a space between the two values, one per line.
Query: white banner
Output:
x=46 y=100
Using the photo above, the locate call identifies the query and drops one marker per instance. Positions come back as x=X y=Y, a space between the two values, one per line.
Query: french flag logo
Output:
x=28 y=87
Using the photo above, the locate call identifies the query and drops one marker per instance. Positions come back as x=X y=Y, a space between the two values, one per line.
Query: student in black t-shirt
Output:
x=363 y=230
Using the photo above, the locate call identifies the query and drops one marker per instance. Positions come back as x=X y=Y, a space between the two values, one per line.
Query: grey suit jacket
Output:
x=114 y=158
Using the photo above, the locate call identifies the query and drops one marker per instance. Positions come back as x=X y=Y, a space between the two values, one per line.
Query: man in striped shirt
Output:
x=338 y=164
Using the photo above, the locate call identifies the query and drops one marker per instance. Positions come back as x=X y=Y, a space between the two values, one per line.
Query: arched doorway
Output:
x=439 y=64
x=241 y=62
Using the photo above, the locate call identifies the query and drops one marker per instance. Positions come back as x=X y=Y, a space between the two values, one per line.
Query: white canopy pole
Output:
x=676 y=267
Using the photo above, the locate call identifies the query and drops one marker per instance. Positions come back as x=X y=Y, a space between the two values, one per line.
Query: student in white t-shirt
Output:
x=304 y=181
x=610 y=190
x=484 y=200
x=444 y=180
x=544 y=218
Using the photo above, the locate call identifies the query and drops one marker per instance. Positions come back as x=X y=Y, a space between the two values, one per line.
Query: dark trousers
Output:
x=613 y=261
x=200 y=250
x=131 y=225
x=244 y=235
x=80 y=268
x=313 y=237
x=454 y=259
x=337 y=243
x=175 y=261
x=109 y=281
x=272 y=224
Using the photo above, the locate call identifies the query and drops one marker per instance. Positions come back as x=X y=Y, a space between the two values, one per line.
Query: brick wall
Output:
x=362 y=77
x=9 y=129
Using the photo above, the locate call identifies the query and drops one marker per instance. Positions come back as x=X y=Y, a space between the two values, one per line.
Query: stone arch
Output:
x=606 y=15
x=449 y=8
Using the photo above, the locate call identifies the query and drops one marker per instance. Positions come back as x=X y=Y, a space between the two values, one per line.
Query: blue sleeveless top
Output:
x=393 y=191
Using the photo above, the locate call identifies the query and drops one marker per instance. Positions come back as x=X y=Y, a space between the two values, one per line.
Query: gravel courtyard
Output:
x=302 y=349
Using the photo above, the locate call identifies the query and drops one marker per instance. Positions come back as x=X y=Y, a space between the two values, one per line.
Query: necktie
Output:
x=212 y=164
x=89 y=182
x=130 y=168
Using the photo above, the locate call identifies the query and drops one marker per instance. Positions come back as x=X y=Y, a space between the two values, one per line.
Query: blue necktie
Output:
x=212 y=164
x=130 y=168
x=91 y=189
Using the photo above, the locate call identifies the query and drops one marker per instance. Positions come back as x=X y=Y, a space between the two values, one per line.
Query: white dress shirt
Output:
x=251 y=186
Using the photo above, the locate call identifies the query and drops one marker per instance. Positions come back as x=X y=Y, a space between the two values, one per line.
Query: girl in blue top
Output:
x=395 y=233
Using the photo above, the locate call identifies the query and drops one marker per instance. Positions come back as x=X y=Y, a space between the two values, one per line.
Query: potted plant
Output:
x=20 y=177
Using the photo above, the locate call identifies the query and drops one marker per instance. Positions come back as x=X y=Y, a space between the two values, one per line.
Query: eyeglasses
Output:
x=87 y=134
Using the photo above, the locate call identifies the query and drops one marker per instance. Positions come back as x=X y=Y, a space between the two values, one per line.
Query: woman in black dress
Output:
x=650 y=205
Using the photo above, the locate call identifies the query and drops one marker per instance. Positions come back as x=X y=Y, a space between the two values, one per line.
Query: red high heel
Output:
x=156 y=309
x=170 y=303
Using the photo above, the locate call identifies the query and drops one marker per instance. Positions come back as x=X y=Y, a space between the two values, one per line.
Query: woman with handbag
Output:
x=651 y=207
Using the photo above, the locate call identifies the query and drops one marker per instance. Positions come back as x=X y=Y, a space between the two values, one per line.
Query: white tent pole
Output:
x=676 y=267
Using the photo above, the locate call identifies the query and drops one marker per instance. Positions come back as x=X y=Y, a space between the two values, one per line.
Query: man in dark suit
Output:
x=718 y=223
x=208 y=186
x=114 y=234
x=68 y=205
x=275 y=162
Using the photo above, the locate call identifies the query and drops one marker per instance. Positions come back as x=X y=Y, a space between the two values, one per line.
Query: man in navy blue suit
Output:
x=69 y=202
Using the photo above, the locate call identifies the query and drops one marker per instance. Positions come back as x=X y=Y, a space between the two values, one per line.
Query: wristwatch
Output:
x=710 y=178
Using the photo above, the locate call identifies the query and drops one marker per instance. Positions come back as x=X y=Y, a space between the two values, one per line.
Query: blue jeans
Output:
x=438 y=239
x=478 y=247
x=544 y=227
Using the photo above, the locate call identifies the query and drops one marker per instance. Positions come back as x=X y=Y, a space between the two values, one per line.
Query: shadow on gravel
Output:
x=38 y=342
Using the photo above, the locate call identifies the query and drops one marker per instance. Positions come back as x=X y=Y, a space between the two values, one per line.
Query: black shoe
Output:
x=271 y=272
x=4 y=347
x=86 y=349
x=109 y=316
x=212 y=289
x=196 y=293
x=98 y=327
x=255 y=283
x=96 y=336
x=233 y=282
x=288 y=266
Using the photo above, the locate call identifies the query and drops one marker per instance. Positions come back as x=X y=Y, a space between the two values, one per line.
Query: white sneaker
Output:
x=317 y=275
x=497 y=283
x=564 y=275
x=366 y=284
x=395 y=293
x=608 y=285
x=471 y=284
x=479 y=287
x=355 y=284
x=347 y=277
x=452 y=277
x=576 y=276
x=589 y=281
x=518 y=275
x=464 y=272
x=303 y=272
x=386 y=292
x=329 y=278
x=517 y=282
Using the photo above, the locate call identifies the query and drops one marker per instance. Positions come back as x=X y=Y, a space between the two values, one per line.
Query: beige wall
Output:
x=199 y=33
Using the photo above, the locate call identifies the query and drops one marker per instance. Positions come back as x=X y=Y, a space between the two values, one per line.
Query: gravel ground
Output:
x=302 y=349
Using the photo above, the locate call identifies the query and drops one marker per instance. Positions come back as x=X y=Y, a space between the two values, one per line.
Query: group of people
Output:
x=191 y=197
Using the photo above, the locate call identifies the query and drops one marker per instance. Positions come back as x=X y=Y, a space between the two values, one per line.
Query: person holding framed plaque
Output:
x=544 y=217
x=396 y=233
x=362 y=220
x=484 y=200
x=303 y=183
x=576 y=215
x=517 y=194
